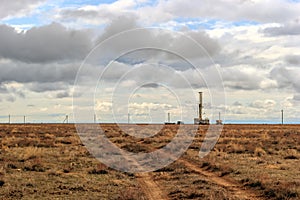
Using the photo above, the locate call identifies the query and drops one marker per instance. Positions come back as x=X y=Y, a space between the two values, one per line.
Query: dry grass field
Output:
x=49 y=161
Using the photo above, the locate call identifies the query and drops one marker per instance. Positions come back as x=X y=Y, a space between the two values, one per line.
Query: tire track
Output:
x=235 y=189
x=150 y=187
x=153 y=191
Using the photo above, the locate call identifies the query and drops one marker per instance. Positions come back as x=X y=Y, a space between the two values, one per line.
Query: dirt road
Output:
x=234 y=189
x=150 y=187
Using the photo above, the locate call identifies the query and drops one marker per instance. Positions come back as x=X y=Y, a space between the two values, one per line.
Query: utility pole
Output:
x=169 y=118
x=128 y=118
x=24 y=119
x=66 y=119
x=9 y=119
x=281 y=116
x=95 y=119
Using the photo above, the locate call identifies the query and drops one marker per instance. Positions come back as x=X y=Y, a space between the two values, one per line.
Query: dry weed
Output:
x=259 y=152
x=31 y=152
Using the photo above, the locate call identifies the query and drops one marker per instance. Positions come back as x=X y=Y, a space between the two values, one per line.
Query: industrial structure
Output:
x=200 y=119
x=219 y=121
x=169 y=120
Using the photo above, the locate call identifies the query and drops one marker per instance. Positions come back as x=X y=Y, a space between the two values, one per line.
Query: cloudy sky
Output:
x=148 y=58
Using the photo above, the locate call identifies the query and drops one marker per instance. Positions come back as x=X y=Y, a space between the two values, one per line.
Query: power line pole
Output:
x=66 y=119
x=169 y=118
x=9 y=119
x=95 y=119
x=281 y=116
x=24 y=119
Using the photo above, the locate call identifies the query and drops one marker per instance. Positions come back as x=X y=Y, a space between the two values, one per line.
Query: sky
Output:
x=149 y=58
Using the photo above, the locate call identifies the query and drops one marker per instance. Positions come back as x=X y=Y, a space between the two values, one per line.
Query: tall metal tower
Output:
x=200 y=106
x=200 y=119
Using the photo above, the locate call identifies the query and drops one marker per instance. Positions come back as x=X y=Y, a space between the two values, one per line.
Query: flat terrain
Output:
x=49 y=161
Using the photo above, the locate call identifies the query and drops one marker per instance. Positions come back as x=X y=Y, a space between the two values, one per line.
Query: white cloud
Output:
x=103 y=106
x=261 y=11
x=266 y=104
x=268 y=84
x=98 y=14
x=9 y=9
x=254 y=44
x=167 y=10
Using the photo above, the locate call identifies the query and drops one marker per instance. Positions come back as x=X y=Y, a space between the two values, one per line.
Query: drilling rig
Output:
x=200 y=119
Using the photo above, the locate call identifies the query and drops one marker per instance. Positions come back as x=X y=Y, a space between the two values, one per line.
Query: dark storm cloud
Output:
x=286 y=77
x=285 y=29
x=241 y=79
x=11 y=8
x=26 y=73
x=43 y=87
x=49 y=43
x=37 y=58
x=151 y=85
x=208 y=44
x=157 y=45
x=118 y=25
x=63 y=94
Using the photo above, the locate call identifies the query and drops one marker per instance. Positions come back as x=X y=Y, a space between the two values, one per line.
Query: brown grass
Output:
x=264 y=158
x=49 y=161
